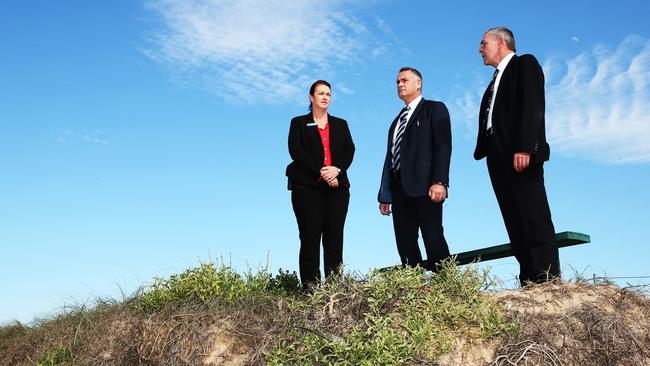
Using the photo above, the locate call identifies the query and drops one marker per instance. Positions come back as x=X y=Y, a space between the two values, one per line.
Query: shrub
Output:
x=389 y=318
x=57 y=356
x=209 y=285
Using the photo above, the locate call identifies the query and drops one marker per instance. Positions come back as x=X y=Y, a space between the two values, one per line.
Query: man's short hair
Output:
x=505 y=34
x=413 y=70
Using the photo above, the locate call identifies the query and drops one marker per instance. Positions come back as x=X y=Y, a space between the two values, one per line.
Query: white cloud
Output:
x=465 y=99
x=68 y=137
x=256 y=50
x=597 y=104
x=575 y=39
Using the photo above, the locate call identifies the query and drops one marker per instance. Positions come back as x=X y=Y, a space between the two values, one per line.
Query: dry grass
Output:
x=576 y=324
x=121 y=336
x=558 y=324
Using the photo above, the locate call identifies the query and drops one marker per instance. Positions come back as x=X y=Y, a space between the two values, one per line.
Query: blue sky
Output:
x=137 y=138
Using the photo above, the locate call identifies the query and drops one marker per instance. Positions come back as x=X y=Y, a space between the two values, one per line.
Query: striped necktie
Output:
x=398 y=138
x=489 y=102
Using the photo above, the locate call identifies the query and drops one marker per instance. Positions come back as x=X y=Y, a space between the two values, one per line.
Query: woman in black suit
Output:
x=321 y=150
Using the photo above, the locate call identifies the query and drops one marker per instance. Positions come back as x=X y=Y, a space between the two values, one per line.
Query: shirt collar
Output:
x=502 y=65
x=414 y=102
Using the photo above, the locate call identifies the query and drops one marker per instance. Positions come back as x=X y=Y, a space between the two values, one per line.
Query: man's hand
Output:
x=437 y=192
x=384 y=208
x=520 y=161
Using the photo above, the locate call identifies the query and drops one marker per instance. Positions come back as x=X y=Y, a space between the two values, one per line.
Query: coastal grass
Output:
x=210 y=284
x=211 y=314
x=389 y=318
x=396 y=317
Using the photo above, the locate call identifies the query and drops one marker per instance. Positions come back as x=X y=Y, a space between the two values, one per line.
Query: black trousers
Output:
x=320 y=212
x=413 y=214
x=526 y=214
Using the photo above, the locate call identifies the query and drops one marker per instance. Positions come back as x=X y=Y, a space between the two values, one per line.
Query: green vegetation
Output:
x=389 y=318
x=212 y=315
x=57 y=356
x=397 y=317
x=9 y=333
x=212 y=285
x=11 y=330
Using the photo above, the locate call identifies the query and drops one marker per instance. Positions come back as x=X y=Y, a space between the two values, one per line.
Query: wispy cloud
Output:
x=256 y=50
x=69 y=137
x=464 y=100
x=598 y=104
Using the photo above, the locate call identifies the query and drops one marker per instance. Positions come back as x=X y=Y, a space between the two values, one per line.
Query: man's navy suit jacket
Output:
x=425 y=152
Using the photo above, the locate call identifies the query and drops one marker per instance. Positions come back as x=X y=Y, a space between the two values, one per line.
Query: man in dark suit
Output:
x=512 y=136
x=415 y=176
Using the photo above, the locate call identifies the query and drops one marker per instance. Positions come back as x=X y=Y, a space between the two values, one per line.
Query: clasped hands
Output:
x=329 y=174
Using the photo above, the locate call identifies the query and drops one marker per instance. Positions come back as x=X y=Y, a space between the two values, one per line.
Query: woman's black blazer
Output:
x=306 y=150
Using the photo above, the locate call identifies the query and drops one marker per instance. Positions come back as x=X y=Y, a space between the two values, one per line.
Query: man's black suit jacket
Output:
x=306 y=150
x=425 y=152
x=518 y=113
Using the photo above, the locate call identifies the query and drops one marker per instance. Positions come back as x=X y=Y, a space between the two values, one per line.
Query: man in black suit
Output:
x=415 y=176
x=512 y=136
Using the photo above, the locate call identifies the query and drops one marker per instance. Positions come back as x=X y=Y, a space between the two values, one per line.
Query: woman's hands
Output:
x=329 y=175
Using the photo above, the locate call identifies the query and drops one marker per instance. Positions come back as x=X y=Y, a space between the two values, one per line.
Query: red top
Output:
x=325 y=139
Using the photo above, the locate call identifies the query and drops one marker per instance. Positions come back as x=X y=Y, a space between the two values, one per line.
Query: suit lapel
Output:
x=310 y=124
x=313 y=135
x=483 y=117
x=391 y=130
x=334 y=134
x=506 y=80
x=504 y=86
x=414 y=117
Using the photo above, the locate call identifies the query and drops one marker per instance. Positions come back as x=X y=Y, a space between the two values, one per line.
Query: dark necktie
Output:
x=401 y=126
x=489 y=100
